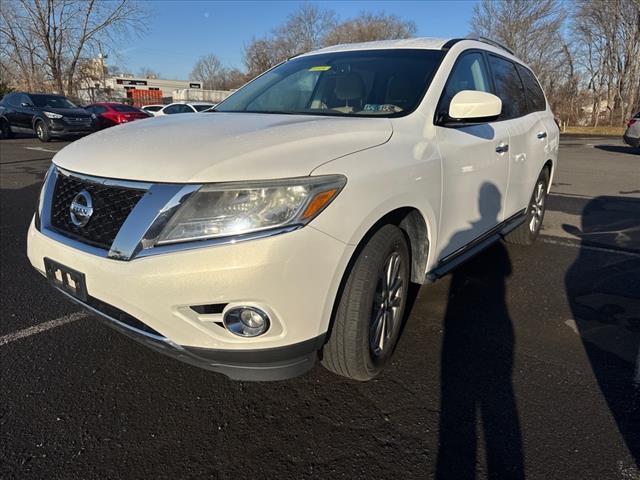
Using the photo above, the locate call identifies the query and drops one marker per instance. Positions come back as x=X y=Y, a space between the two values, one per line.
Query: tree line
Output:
x=586 y=53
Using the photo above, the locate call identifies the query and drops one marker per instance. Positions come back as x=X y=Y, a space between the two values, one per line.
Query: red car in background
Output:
x=112 y=113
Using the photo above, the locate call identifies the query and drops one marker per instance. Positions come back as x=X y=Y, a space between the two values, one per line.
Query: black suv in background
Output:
x=47 y=115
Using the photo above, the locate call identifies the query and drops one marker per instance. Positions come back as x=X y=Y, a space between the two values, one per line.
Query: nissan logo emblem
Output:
x=81 y=209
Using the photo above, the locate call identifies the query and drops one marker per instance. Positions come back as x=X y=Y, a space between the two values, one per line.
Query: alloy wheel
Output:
x=537 y=207
x=386 y=306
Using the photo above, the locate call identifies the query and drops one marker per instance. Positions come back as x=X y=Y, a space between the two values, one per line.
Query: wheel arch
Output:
x=548 y=165
x=416 y=230
x=35 y=120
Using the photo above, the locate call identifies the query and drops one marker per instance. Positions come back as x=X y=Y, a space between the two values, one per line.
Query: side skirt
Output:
x=474 y=247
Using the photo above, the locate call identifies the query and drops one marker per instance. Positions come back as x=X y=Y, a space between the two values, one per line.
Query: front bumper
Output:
x=279 y=363
x=58 y=128
x=294 y=277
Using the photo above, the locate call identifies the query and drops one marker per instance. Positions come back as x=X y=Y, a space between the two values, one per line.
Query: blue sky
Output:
x=180 y=32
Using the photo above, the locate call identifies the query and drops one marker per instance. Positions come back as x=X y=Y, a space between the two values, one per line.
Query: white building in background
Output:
x=213 y=96
x=120 y=84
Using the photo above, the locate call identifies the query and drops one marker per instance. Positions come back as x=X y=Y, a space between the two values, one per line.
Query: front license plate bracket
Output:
x=66 y=279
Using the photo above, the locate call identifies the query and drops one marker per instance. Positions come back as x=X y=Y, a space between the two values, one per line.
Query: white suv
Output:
x=289 y=223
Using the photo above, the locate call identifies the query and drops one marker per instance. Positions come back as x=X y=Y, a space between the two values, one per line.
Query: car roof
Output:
x=421 y=43
x=426 y=43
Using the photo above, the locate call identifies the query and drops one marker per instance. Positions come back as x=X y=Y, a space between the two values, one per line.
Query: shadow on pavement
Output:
x=619 y=149
x=609 y=221
x=477 y=364
x=605 y=303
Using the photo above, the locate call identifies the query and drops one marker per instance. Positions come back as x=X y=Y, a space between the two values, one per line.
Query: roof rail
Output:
x=490 y=42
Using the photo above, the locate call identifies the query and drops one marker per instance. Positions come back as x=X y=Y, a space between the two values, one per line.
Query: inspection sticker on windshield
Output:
x=386 y=107
x=320 y=68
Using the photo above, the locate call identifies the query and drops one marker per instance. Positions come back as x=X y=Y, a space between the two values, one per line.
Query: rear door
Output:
x=10 y=102
x=527 y=134
x=474 y=165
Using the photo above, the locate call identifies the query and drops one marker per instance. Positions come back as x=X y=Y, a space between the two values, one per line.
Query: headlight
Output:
x=220 y=210
x=52 y=115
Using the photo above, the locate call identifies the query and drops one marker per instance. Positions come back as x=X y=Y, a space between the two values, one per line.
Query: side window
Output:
x=532 y=89
x=24 y=99
x=173 y=109
x=12 y=99
x=508 y=87
x=469 y=73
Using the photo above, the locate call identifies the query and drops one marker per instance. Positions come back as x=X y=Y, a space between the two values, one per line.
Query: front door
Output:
x=475 y=164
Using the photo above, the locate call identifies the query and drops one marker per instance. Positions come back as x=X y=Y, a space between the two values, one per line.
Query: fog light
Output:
x=246 y=321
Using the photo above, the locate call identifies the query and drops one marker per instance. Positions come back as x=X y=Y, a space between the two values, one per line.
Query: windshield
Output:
x=51 y=101
x=356 y=83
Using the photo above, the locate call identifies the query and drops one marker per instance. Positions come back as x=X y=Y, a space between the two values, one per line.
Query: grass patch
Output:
x=595 y=131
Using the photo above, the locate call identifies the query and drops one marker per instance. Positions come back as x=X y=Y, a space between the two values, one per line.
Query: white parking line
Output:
x=42 y=327
x=41 y=149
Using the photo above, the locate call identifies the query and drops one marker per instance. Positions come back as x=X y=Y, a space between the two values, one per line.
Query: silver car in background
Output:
x=632 y=134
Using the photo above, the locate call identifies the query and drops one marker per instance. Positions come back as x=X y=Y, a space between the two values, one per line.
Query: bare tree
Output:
x=215 y=76
x=607 y=33
x=301 y=32
x=369 y=27
x=209 y=71
x=311 y=27
x=531 y=29
x=304 y=29
x=598 y=62
x=54 y=36
x=147 y=72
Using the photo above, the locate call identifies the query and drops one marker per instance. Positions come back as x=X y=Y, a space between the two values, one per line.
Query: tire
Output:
x=355 y=348
x=5 y=130
x=527 y=233
x=42 y=131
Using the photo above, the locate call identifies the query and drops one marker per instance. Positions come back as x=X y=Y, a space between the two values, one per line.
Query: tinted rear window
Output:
x=508 y=87
x=535 y=97
x=200 y=108
x=124 y=108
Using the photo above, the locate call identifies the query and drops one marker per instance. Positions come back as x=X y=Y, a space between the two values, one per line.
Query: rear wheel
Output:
x=371 y=307
x=527 y=233
x=5 y=129
x=42 y=131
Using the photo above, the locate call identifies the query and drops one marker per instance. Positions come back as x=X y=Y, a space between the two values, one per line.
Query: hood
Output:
x=219 y=147
x=68 y=112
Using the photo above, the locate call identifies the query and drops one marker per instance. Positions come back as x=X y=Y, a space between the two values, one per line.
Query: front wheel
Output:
x=527 y=233
x=42 y=131
x=370 y=309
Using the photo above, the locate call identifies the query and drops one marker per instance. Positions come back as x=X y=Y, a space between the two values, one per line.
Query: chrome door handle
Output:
x=502 y=147
x=541 y=135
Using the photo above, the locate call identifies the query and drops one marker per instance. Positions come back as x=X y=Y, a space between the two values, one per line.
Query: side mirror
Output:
x=26 y=105
x=472 y=106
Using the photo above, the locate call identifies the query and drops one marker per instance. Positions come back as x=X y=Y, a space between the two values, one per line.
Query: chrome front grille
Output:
x=111 y=207
x=84 y=121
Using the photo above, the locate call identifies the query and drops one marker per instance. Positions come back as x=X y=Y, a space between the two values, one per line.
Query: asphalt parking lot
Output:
x=524 y=361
